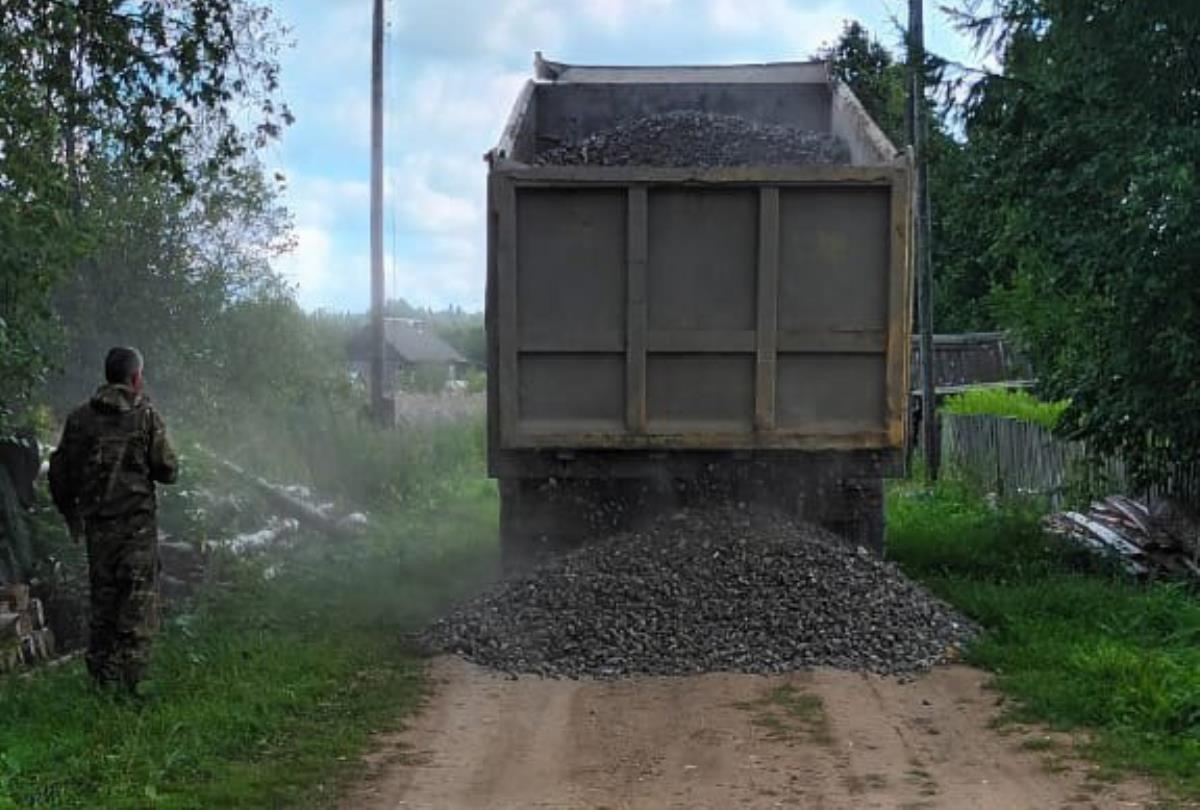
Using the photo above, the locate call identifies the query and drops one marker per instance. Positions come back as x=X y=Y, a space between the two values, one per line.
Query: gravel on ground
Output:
x=705 y=590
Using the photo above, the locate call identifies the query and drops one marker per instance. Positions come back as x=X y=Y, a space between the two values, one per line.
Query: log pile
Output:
x=24 y=637
x=1146 y=538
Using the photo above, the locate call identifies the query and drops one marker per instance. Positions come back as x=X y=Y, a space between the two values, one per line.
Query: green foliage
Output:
x=16 y=553
x=188 y=281
x=879 y=82
x=427 y=378
x=267 y=696
x=962 y=277
x=468 y=338
x=476 y=382
x=138 y=79
x=160 y=88
x=1075 y=645
x=1087 y=150
x=328 y=442
x=1014 y=404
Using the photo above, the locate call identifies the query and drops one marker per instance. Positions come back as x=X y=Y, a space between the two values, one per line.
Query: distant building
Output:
x=413 y=355
x=963 y=362
x=971 y=360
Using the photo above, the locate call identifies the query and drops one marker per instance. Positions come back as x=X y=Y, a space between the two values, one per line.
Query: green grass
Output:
x=1075 y=647
x=1013 y=404
x=266 y=695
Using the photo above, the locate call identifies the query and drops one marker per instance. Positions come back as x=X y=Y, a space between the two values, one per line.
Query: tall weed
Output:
x=1005 y=402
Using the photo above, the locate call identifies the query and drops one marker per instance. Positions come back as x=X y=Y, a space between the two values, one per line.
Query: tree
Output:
x=869 y=69
x=163 y=271
x=98 y=82
x=1087 y=150
x=962 y=274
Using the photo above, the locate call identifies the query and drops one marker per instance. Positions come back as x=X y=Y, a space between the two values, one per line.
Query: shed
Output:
x=970 y=360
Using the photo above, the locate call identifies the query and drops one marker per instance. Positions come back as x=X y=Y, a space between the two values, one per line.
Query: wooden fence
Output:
x=1011 y=457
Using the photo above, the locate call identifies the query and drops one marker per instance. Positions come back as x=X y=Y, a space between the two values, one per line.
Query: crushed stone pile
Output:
x=687 y=138
x=703 y=591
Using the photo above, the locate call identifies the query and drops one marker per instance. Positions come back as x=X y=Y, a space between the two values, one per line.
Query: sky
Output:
x=453 y=70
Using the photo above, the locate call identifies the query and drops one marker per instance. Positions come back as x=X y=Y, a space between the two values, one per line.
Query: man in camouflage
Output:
x=102 y=478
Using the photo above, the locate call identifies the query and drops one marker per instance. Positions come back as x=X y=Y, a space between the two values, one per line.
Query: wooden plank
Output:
x=734 y=341
x=625 y=175
x=899 y=274
x=838 y=341
x=768 y=303
x=635 y=345
x=506 y=271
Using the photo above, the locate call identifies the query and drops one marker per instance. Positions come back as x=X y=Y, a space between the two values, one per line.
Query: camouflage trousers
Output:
x=123 y=571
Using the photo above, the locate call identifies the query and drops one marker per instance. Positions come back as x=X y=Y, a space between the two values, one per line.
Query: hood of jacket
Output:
x=115 y=398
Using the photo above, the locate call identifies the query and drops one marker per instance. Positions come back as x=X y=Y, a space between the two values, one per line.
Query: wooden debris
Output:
x=15 y=598
x=1156 y=537
x=288 y=501
x=274 y=532
x=24 y=637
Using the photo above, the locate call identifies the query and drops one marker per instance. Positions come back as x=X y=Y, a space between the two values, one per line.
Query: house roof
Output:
x=405 y=342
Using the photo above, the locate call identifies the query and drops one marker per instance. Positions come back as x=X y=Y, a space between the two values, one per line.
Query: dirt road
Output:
x=820 y=740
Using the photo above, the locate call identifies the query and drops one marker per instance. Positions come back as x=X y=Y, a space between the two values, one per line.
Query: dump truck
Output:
x=666 y=336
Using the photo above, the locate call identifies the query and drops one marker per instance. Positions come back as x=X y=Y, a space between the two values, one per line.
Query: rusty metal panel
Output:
x=571 y=267
x=637 y=206
x=702 y=259
x=834 y=263
x=571 y=312
x=565 y=393
x=694 y=393
x=831 y=393
x=637 y=311
x=729 y=313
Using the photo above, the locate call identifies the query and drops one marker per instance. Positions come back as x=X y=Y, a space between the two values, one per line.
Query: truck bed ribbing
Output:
x=723 y=303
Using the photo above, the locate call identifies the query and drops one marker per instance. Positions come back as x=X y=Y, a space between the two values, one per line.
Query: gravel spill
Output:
x=703 y=591
x=687 y=138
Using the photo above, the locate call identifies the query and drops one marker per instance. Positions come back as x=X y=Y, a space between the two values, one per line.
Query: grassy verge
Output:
x=265 y=695
x=1013 y=404
x=1077 y=648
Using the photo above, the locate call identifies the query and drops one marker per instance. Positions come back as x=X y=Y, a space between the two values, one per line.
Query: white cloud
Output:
x=308 y=264
x=421 y=194
x=320 y=263
x=455 y=68
x=469 y=102
x=615 y=15
x=323 y=201
x=804 y=27
x=524 y=25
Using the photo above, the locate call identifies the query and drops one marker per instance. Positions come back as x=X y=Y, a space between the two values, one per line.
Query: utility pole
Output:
x=378 y=402
x=921 y=243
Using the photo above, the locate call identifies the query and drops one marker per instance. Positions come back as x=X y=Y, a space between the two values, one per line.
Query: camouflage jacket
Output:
x=113 y=449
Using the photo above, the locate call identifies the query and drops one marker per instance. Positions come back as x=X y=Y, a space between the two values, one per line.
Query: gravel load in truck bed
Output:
x=703 y=591
x=687 y=138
